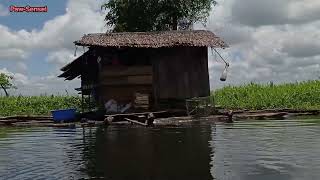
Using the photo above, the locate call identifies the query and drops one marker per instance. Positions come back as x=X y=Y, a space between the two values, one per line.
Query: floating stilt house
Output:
x=146 y=69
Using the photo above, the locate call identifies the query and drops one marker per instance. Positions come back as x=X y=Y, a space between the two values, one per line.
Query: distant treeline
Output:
x=302 y=96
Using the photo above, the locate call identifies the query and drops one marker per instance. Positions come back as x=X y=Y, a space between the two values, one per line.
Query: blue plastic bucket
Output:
x=65 y=115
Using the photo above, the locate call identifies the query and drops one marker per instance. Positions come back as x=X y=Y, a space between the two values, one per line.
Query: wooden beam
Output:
x=127 y=80
x=125 y=71
x=137 y=114
x=135 y=122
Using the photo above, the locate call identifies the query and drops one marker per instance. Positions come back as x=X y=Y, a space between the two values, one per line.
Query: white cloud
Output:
x=18 y=78
x=21 y=67
x=263 y=49
x=82 y=17
x=274 y=12
x=302 y=42
x=12 y=54
x=256 y=13
x=56 y=38
x=21 y=80
x=5 y=71
x=61 y=57
x=34 y=85
x=304 y=10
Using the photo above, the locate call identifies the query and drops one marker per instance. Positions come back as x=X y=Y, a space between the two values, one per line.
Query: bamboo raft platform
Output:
x=147 y=119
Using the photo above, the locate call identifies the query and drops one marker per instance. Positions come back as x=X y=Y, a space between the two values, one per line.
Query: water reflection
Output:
x=284 y=149
x=149 y=153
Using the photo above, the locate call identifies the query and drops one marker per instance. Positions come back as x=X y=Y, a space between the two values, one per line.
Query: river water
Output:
x=245 y=150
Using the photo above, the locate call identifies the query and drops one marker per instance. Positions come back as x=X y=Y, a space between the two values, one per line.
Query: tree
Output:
x=5 y=82
x=154 y=15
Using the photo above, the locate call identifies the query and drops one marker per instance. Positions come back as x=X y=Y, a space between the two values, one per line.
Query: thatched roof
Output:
x=153 y=39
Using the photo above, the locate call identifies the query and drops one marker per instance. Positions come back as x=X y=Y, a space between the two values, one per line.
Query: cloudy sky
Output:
x=275 y=40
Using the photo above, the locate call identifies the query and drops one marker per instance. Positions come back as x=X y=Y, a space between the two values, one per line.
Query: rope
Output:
x=227 y=64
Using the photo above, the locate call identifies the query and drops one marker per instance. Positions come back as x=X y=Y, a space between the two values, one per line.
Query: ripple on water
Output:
x=39 y=153
x=284 y=149
x=278 y=149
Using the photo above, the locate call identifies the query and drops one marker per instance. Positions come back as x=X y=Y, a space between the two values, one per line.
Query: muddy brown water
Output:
x=244 y=150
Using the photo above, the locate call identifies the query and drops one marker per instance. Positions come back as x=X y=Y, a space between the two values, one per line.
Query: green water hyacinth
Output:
x=300 y=96
x=36 y=105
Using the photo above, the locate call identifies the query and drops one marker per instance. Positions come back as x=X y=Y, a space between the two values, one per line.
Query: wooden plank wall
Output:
x=122 y=82
x=181 y=73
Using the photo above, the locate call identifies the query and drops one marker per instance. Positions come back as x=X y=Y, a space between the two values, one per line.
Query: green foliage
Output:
x=154 y=15
x=36 y=105
x=304 y=95
x=5 y=82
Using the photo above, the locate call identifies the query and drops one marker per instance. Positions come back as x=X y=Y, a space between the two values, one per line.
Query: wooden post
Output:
x=89 y=101
x=155 y=82
x=230 y=115
x=82 y=104
x=150 y=119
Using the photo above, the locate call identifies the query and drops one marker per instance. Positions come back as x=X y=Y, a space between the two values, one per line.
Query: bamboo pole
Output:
x=135 y=122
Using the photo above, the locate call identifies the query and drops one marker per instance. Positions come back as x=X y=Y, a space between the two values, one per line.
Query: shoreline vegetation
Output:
x=297 y=96
x=36 y=105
